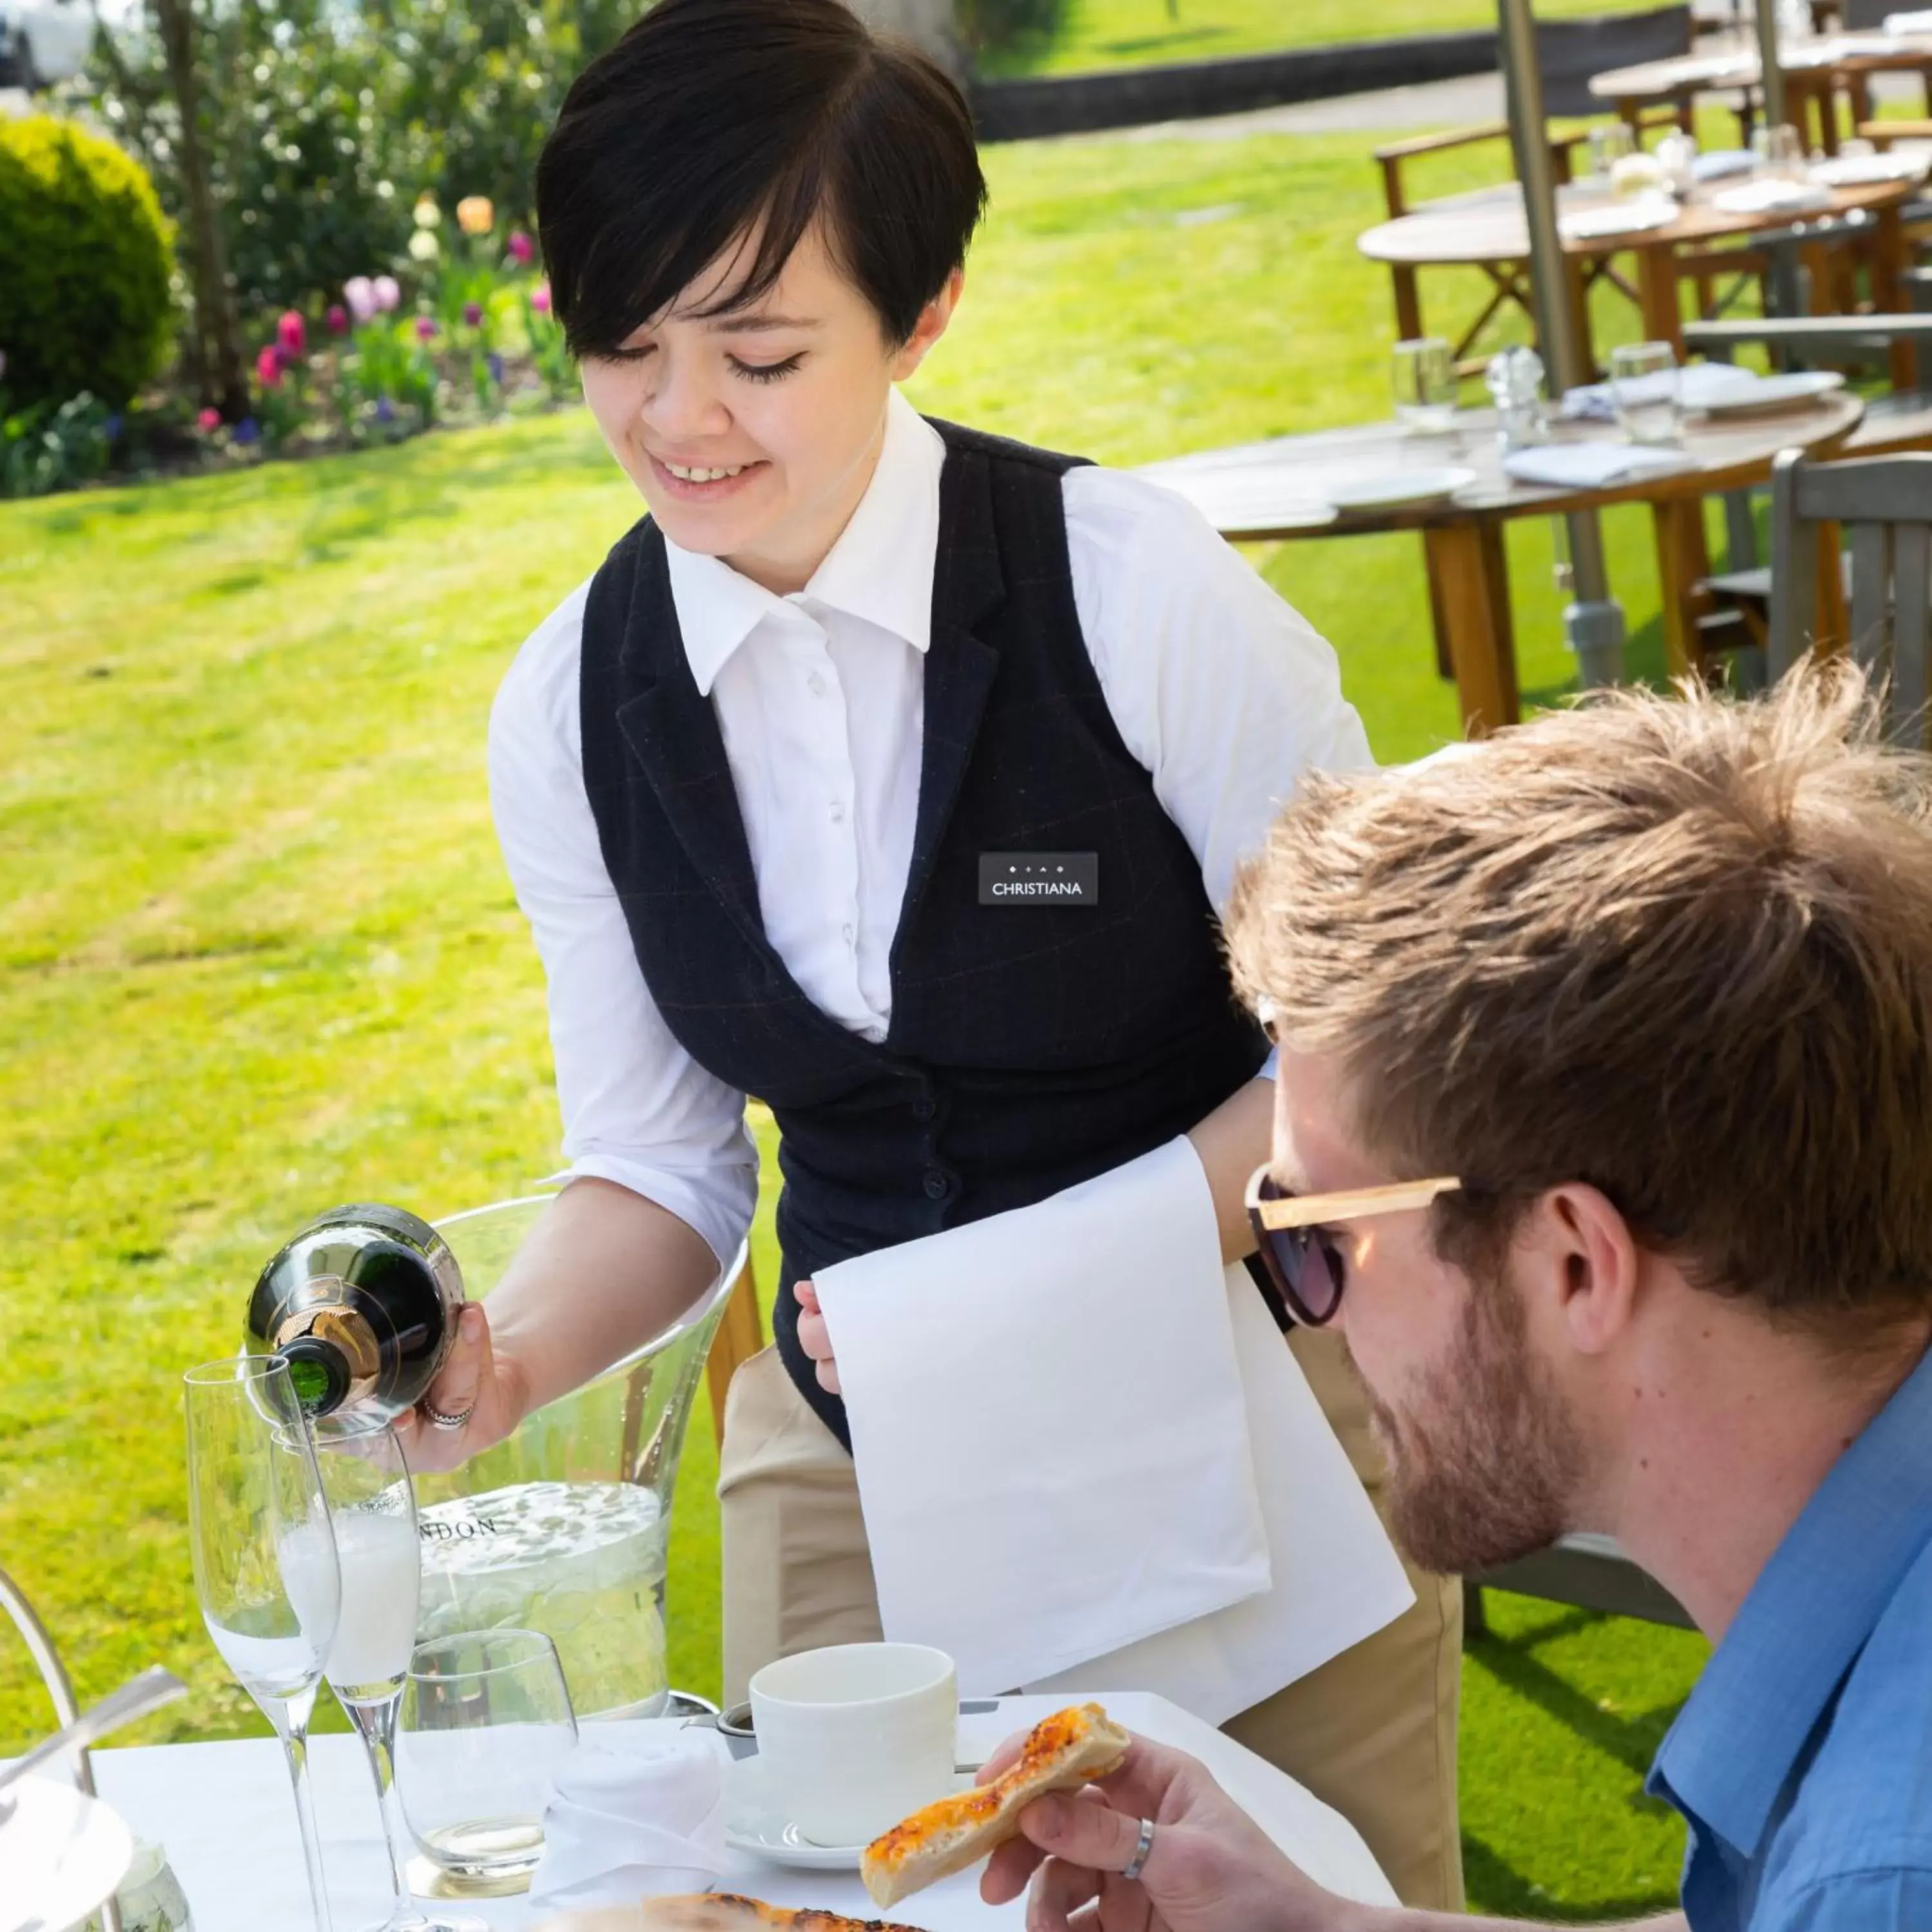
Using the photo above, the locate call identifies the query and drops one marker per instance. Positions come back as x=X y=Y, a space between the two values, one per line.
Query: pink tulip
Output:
x=337 y=319
x=540 y=298
x=359 y=293
x=387 y=292
x=425 y=328
x=473 y=313
x=208 y=421
x=268 y=368
x=520 y=248
x=292 y=334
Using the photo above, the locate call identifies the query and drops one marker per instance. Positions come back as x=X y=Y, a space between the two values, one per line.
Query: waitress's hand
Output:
x=812 y=1337
x=474 y=1380
x=1210 y=1867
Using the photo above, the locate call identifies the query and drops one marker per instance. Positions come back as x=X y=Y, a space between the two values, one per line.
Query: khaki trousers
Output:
x=1371 y=1732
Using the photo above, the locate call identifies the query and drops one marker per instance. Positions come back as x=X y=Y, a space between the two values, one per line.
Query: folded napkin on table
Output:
x=1589 y=465
x=631 y=1815
x=1698 y=385
x=1918 y=23
x=1078 y=1437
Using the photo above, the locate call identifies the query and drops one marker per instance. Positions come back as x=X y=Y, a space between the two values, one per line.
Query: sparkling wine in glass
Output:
x=373 y=1505
x=265 y=1565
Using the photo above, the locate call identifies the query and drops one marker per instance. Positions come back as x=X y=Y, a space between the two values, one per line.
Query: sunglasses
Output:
x=1300 y=1268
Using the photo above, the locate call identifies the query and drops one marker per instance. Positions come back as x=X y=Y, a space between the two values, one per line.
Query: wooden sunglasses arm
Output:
x=1304 y=1210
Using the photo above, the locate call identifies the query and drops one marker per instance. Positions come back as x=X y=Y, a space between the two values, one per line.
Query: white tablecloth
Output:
x=224 y=1814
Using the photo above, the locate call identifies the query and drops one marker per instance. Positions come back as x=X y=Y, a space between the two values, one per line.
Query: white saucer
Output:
x=61 y=1854
x=1399 y=489
x=1774 y=392
x=755 y=1822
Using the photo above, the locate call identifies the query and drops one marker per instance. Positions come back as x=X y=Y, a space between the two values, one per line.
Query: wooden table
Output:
x=1263 y=491
x=1812 y=72
x=1489 y=230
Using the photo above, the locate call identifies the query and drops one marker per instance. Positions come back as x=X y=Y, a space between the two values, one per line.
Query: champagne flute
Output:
x=265 y=1565
x=366 y=1479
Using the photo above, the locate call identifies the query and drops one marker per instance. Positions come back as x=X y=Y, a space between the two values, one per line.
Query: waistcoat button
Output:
x=925 y=1107
x=938 y=1186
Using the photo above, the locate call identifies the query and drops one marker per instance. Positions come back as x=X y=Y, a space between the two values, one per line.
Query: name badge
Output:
x=1039 y=878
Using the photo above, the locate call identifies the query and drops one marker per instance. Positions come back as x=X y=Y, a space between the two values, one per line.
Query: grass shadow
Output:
x=1495 y=1885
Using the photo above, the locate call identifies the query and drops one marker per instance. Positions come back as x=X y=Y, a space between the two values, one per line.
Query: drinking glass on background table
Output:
x=1424 y=374
x=1608 y=145
x=486 y=1721
x=1779 y=153
x=1645 y=388
x=367 y=1482
x=265 y=1563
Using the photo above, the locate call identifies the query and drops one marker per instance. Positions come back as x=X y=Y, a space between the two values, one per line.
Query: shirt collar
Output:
x=880 y=570
x=1735 y=1744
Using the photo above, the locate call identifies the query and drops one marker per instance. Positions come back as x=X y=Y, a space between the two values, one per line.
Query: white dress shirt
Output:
x=1221 y=690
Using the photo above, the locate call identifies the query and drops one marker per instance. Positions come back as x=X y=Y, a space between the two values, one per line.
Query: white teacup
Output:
x=854 y=1737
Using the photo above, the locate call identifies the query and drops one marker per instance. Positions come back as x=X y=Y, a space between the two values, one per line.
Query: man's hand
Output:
x=473 y=1377
x=812 y=1337
x=1210 y=1869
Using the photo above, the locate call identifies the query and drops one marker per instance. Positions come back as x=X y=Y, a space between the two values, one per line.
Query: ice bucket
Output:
x=562 y=1527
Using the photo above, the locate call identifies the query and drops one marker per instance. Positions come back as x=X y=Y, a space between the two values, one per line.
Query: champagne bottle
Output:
x=362 y=1303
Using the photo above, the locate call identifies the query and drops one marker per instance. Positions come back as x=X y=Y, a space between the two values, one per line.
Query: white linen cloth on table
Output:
x=1696 y=385
x=1590 y=466
x=224 y=1814
x=634 y=1808
x=1084 y=1453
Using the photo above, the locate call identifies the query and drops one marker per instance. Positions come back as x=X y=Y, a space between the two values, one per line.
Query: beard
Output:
x=1484 y=1459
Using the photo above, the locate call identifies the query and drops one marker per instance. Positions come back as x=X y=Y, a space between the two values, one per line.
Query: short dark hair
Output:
x=712 y=117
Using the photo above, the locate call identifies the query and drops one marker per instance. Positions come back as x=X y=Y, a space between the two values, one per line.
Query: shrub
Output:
x=85 y=259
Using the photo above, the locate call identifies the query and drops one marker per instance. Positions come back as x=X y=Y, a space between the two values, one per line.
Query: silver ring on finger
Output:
x=438 y=1420
x=1143 y=1846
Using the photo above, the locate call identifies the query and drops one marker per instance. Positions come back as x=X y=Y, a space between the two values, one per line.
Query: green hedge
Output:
x=86 y=258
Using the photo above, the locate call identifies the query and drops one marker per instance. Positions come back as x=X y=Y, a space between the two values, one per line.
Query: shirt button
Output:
x=938 y=1186
x=837 y=812
x=925 y=1107
x=815 y=684
x=849 y=933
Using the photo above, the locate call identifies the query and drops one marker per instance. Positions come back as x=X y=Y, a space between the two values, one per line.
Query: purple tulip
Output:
x=385 y=410
x=359 y=293
x=473 y=313
x=388 y=293
x=3 y=361
x=494 y=364
x=246 y=431
x=111 y=429
x=521 y=249
x=269 y=368
x=292 y=334
x=337 y=319
x=425 y=328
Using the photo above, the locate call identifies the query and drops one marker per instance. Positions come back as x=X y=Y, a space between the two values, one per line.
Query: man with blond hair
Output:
x=1604 y=1133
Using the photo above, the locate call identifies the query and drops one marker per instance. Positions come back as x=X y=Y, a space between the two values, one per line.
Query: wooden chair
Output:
x=1883 y=505
x=741 y=1334
x=1590 y=1572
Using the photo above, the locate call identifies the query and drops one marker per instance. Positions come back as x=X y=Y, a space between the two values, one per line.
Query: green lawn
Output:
x=260 y=956
x=1087 y=34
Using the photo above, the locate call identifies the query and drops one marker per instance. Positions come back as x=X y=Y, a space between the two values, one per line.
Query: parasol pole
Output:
x=1593 y=621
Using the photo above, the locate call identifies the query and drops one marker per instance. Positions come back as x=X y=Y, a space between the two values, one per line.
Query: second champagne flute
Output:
x=367 y=1481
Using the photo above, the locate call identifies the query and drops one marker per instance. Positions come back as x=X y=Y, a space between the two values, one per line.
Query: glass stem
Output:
x=290 y=1717
x=375 y=1721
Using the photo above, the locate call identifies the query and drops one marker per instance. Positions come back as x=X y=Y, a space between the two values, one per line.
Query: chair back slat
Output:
x=1794 y=573
x=1870 y=546
x=1911 y=621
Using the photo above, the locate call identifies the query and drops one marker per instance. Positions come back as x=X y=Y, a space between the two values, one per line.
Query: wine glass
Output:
x=367 y=1481
x=265 y=1565
x=1423 y=373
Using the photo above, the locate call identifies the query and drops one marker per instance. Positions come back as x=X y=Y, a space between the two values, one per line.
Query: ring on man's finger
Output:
x=1143 y=1845
x=438 y=1420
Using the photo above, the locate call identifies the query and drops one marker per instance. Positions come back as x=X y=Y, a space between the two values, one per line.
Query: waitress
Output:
x=750 y=780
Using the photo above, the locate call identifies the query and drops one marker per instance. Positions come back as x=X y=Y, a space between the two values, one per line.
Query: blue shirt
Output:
x=1803 y=1760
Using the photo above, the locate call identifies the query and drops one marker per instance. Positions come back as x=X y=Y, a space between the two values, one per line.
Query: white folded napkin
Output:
x=1051 y=1417
x=1918 y=23
x=1589 y=465
x=1697 y=385
x=633 y=1814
